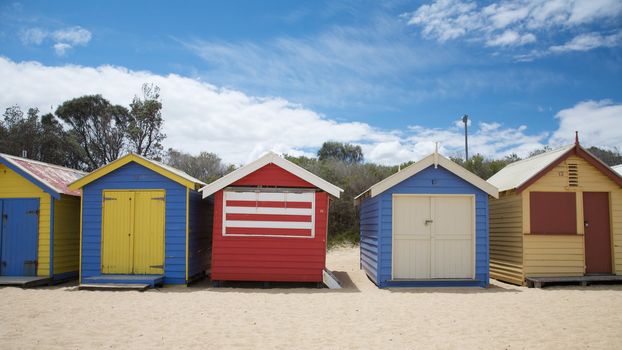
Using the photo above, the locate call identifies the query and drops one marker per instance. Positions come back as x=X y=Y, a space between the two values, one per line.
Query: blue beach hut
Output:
x=426 y=225
x=143 y=223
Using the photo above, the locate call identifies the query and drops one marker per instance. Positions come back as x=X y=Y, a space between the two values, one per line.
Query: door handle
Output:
x=428 y=222
x=586 y=223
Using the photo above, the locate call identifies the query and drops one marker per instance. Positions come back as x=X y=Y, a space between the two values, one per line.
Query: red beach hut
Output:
x=270 y=222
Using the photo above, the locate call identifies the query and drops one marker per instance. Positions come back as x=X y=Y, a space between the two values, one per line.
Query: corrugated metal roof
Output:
x=617 y=168
x=54 y=176
x=516 y=174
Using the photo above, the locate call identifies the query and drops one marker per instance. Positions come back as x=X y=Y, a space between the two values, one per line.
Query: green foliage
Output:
x=344 y=152
x=99 y=127
x=485 y=168
x=609 y=157
x=144 y=129
x=206 y=167
x=41 y=137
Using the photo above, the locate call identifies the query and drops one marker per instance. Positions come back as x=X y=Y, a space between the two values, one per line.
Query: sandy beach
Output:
x=360 y=316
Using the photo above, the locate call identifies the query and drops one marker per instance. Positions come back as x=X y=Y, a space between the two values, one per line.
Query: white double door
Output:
x=433 y=237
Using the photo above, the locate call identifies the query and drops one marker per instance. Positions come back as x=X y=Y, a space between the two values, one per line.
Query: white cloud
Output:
x=511 y=38
x=589 y=41
x=33 y=36
x=72 y=36
x=598 y=123
x=62 y=39
x=202 y=117
x=61 y=48
x=511 y=23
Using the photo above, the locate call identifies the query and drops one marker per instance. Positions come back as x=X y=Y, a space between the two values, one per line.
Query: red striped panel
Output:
x=268 y=231
x=268 y=217
x=269 y=204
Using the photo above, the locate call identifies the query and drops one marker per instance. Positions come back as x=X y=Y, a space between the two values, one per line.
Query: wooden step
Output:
x=114 y=286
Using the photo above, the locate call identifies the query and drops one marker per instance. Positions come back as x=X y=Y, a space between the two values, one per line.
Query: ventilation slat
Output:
x=573 y=175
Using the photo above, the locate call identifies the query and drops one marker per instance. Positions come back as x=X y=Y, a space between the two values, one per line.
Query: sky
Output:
x=239 y=78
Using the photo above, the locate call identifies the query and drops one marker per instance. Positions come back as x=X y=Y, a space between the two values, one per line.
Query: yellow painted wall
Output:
x=66 y=234
x=13 y=185
x=555 y=255
x=506 y=238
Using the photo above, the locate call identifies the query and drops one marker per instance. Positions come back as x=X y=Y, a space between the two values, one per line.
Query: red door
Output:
x=597 y=233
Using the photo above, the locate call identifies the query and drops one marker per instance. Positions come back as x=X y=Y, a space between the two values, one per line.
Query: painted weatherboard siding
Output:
x=66 y=234
x=200 y=218
x=275 y=259
x=444 y=182
x=370 y=229
x=568 y=259
x=506 y=238
x=133 y=176
x=553 y=255
x=13 y=185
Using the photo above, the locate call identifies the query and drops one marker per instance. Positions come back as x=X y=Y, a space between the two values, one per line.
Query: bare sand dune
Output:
x=358 y=317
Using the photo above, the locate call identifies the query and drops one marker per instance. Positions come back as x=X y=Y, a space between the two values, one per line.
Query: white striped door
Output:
x=433 y=237
x=269 y=214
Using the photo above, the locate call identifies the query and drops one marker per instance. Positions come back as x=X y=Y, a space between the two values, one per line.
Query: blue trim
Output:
x=29 y=177
x=51 y=273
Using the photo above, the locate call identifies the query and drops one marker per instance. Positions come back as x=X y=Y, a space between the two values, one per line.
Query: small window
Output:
x=553 y=213
x=573 y=175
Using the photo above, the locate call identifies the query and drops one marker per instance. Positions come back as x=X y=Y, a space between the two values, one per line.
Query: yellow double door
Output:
x=133 y=232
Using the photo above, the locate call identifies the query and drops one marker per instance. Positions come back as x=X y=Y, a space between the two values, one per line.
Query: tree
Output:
x=99 y=128
x=144 y=129
x=344 y=152
x=205 y=167
x=609 y=157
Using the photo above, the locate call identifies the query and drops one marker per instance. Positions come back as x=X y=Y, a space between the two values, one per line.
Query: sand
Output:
x=360 y=316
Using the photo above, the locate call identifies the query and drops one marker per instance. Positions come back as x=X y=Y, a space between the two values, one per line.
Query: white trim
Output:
x=263 y=161
x=431 y=196
x=273 y=211
x=424 y=164
x=289 y=224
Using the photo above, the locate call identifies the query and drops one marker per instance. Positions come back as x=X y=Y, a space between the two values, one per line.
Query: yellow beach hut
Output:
x=39 y=235
x=558 y=219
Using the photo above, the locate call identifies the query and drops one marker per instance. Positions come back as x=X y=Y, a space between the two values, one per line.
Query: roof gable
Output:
x=53 y=179
x=434 y=159
x=162 y=169
x=524 y=173
x=270 y=158
x=272 y=175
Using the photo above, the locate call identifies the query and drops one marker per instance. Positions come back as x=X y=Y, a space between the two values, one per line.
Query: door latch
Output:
x=427 y=222
x=157 y=266
x=586 y=223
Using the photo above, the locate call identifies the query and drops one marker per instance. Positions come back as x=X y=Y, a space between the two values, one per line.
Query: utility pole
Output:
x=465 y=120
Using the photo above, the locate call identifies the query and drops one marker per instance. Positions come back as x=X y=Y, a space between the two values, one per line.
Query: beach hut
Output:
x=270 y=223
x=426 y=225
x=143 y=223
x=39 y=232
x=559 y=215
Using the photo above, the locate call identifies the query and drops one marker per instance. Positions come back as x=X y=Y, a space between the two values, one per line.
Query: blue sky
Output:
x=392 y=76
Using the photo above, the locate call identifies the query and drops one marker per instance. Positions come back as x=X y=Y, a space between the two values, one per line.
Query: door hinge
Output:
x=157 y=198
x=157 y=266
x=35 y=212
x=110 y=199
